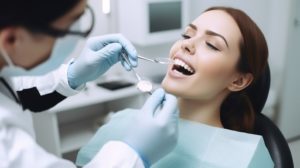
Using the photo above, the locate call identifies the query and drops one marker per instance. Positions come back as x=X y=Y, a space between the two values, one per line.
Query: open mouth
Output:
x=183 y=67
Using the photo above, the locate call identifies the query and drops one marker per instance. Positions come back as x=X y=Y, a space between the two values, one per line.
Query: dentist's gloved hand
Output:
x=153 y=132
x=99 y=54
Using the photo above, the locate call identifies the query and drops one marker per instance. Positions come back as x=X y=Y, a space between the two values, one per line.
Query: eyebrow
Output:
x=193 y=26
x=209 y=32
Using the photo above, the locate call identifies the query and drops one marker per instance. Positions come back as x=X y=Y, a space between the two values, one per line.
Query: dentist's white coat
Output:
x=18 y=148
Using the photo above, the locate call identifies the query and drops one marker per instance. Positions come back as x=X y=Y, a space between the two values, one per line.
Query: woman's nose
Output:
x=188 y=46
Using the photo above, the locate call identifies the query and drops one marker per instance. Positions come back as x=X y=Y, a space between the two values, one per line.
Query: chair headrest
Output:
x=275 y=142
x=259 y=91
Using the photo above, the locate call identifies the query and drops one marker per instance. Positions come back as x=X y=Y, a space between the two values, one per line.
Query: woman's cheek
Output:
x=210 y=64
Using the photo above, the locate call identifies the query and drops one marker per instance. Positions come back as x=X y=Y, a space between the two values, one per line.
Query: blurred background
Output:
x=137 y=20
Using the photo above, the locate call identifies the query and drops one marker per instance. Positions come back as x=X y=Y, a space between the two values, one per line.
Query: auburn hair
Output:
x=237 y=111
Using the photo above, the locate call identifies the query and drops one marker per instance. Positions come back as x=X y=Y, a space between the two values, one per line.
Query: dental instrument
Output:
x=142 y=85
x=159 y=60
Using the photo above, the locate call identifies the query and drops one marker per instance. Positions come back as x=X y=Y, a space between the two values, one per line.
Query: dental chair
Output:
x=274 y=140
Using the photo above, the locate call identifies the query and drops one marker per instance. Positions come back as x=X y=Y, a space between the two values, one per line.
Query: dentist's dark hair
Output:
x=33 y=13
x=237 y=110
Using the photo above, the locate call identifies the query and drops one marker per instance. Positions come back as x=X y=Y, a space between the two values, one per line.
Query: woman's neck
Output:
x=206 y=112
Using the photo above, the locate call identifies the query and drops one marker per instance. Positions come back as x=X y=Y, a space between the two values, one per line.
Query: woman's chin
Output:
x=170 y=88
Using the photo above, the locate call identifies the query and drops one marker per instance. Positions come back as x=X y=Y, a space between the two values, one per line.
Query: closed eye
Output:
x=185 y=36
x=212 y=46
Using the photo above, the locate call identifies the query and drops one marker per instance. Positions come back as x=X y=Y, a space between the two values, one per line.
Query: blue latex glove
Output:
x=153 y=132
x=99 y=54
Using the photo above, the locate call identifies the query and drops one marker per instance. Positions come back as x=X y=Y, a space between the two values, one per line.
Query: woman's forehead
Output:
x=220 y=22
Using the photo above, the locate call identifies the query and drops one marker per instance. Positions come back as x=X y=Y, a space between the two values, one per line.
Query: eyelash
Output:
x=185 y=36
x=212 y=46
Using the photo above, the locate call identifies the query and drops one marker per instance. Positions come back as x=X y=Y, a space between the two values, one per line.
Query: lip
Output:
x=175 y=74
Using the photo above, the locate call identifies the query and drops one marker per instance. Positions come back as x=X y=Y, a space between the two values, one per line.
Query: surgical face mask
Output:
x=62 y=49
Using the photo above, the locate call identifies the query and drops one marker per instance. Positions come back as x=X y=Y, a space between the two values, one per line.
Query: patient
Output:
x=221 y=53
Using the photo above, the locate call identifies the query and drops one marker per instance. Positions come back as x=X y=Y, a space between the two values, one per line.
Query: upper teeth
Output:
x=183 y=64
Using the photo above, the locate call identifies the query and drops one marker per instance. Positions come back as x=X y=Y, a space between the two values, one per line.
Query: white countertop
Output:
x=94 y=94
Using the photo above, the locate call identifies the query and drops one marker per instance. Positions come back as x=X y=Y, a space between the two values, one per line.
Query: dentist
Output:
x=35 y=38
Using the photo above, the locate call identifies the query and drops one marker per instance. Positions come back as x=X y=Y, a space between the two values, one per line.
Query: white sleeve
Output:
x=19 y=150
x=116 y=154
x=56 y=80
x=39 y=93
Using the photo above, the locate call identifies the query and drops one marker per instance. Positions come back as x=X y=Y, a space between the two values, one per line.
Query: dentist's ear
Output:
x=8 y=39
x=240 y=82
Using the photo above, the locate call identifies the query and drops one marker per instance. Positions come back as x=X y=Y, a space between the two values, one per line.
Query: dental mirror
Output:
x=143 y=85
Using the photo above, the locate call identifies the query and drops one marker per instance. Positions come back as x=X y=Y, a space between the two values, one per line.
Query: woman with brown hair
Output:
x=222 y=53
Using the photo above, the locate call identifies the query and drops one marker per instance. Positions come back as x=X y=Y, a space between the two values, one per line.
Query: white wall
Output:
x=276 y=19
x=104 y=24
x=258 y=10
x=290 y=94
x=109 y=24
x=278 y=39
x=272 y=16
